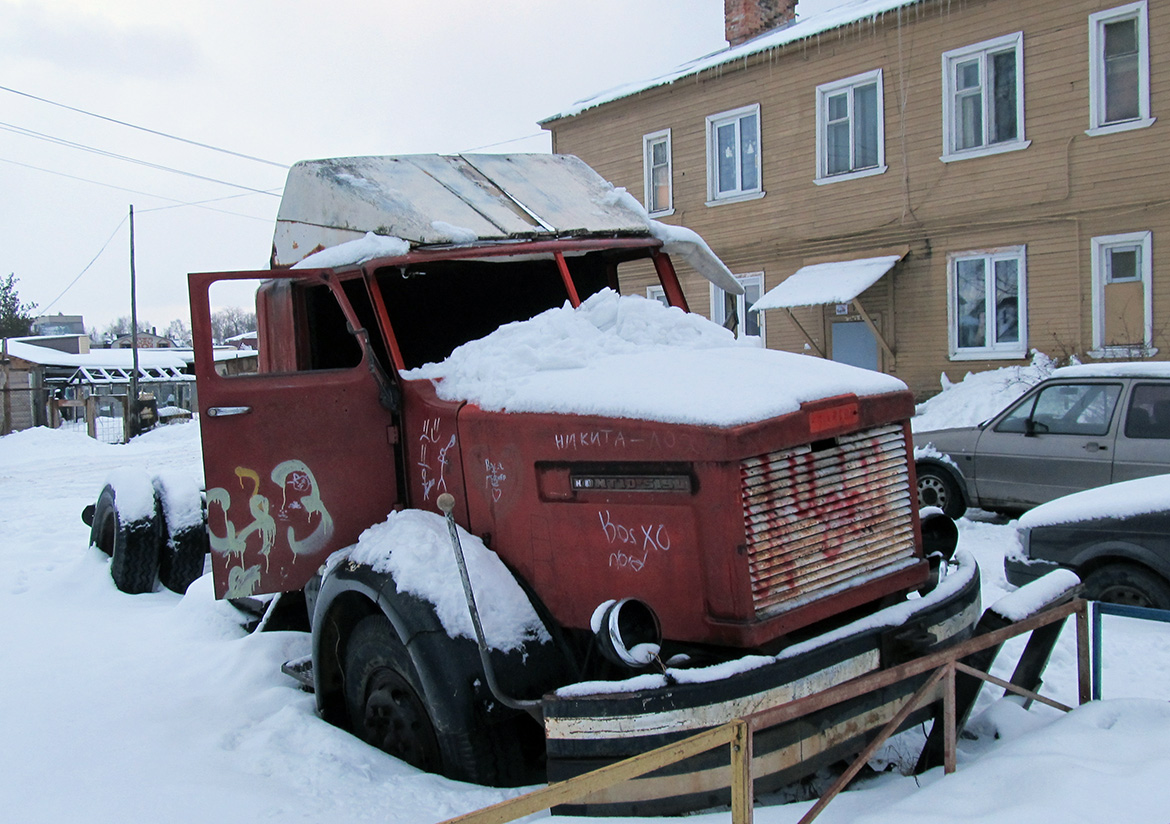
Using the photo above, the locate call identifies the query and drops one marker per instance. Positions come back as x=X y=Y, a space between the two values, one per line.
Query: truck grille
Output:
x=826 y=517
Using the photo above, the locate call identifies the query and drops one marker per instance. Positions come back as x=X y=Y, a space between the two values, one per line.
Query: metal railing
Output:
x=1123 y=611
x=941 y=667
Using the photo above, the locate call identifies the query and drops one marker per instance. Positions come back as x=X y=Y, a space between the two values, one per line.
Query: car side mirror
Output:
x=1032 y=428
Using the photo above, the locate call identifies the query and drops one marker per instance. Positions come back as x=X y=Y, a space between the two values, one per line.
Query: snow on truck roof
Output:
x=343 y=211
x=630 y=357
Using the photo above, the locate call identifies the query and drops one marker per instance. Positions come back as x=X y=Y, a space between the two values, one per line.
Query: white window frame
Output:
x=824 y=91
x=714 y=121
x=1097 y=23
x=648 y=143
x=993 y=351
x=657 y=293
x=1101 y=246
x=982 y=51
x=741 y=306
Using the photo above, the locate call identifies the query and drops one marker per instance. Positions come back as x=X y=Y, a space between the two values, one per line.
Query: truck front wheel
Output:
x=382 y=696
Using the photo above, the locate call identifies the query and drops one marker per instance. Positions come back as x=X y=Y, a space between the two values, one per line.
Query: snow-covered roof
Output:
x=1117 y=369
x=848 y=12
x=822 y=283
x=96 y=358
x=630 y=357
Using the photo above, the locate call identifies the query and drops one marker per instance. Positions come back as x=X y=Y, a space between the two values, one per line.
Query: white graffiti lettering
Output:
x=636 y=542
x=494 y=475
x=428 y=478
x=592 y=439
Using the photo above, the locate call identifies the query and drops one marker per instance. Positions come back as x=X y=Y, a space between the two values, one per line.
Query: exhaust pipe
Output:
x=628 y=632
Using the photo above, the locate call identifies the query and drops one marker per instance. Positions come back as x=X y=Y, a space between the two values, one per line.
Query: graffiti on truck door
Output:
x=299 y=508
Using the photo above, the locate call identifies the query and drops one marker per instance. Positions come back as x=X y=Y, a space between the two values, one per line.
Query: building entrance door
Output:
x=853 y=343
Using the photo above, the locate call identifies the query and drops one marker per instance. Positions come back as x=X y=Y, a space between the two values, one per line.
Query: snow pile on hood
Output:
x=979 y=395
x=354 y=252
x=414 y=547
x=629 y=357
x=1120 y=500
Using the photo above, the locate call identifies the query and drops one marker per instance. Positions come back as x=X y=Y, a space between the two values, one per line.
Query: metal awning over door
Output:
x=835 y=282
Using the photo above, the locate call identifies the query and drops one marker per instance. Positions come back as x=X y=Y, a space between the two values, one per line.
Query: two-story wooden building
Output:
x=916 y=186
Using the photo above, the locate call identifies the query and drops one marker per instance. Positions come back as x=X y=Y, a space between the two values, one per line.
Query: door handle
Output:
x=227 y=411
x=1093 y=446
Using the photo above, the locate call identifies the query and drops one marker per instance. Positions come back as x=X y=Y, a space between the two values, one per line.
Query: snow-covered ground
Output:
x=120 y=708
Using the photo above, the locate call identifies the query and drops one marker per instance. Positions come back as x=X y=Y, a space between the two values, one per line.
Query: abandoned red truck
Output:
x=664 y=528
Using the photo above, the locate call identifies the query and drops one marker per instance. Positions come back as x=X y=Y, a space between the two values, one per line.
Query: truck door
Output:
x=299 y=437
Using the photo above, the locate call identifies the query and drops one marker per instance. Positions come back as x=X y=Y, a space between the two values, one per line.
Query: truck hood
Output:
x=629 y=357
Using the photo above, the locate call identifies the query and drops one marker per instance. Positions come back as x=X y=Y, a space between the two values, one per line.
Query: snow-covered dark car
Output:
x=1083 y=427
x=1116 y=537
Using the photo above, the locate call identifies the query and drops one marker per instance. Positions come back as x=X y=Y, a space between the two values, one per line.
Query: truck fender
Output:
x=462 y=710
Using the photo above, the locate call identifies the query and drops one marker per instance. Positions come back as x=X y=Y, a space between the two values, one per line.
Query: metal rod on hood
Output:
x=446 y=503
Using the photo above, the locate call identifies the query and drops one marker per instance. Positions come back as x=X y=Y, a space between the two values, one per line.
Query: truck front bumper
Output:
x=590 y=725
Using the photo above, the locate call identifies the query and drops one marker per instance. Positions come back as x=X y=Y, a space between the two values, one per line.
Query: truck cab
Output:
x=403 y=294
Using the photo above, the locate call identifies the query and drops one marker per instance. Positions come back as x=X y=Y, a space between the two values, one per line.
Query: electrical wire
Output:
x=60 y=141
x=175 y=203
x=144 y=128
x=53 y=302
x=493 y=145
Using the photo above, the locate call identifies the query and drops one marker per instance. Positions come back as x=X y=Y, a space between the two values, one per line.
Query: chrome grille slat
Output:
x=818 y=522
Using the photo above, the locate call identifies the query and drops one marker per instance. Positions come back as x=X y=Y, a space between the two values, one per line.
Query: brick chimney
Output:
x=744 y=19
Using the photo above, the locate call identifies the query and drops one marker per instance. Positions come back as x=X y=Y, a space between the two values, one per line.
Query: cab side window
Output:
x=1148 y=415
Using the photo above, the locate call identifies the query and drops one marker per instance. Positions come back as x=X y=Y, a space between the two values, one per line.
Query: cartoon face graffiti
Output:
x=300 y=509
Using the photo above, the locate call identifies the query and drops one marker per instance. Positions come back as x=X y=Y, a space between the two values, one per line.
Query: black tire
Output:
x=383 y=696
x=1128 y=584
x=458 y=736
x=936 y=487
x=133 y=547
x=182 y=552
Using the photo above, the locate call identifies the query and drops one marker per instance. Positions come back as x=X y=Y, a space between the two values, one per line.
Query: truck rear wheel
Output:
x=383 y=696
x=133 y=546
x=183 y=545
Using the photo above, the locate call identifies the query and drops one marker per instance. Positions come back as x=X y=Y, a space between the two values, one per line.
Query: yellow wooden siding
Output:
x=1053 y=196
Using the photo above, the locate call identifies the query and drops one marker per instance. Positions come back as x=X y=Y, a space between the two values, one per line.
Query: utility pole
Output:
x=132 y=401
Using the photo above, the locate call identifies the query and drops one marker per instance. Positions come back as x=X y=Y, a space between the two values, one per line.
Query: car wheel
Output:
x=937 y=488
x=1129 y=585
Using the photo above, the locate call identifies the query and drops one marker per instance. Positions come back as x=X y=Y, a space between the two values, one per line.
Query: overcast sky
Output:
x=280 y=82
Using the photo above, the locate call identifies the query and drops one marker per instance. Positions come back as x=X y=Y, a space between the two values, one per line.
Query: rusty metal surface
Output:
x=825 y=519
x=437 y=199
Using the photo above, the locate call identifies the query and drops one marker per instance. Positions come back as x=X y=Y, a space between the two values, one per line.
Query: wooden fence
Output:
x=940 y=686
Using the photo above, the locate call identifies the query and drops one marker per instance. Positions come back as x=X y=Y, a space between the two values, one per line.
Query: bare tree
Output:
x=121 y=326
x=231 y=321
x=178 y=331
